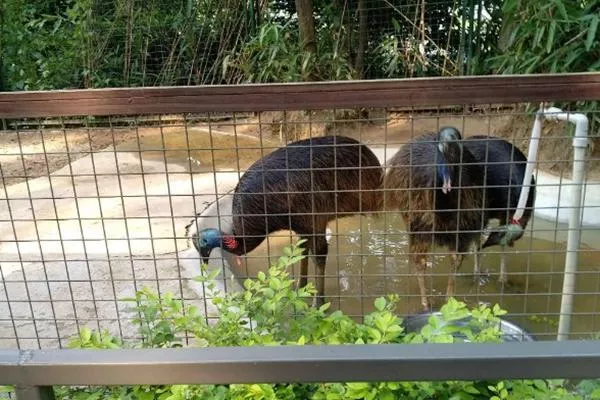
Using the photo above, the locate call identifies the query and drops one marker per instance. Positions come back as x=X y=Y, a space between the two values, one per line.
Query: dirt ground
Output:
x=31 y=154
x=35 y=153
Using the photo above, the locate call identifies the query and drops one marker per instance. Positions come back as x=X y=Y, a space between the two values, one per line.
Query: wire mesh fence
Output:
x=93 y=209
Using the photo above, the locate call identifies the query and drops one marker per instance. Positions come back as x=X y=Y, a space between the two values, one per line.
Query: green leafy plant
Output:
x=550 y=37
x=271 y=312
x=275 y=55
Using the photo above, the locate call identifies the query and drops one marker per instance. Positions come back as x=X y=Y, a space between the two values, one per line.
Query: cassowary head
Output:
x=449 y=150
x=505 y=235
x=207 y=239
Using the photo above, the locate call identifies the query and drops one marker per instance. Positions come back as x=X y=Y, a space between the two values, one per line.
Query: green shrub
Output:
x=276 y=55
x=271 y=312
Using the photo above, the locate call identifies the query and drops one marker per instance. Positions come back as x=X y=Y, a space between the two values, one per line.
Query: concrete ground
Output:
x=100 y=239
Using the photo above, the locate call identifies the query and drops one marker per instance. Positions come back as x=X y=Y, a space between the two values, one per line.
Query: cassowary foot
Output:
x=450 y=290
x=481 y=279
x=301 y=282
x=303 y=279
x=427 y=307
x=455 y=266
x=318 y=301
x=477 y=267
x=426 y=304
x=503 y=279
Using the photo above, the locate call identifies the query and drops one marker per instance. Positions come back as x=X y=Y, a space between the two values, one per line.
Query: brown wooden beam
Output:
x=303 y=96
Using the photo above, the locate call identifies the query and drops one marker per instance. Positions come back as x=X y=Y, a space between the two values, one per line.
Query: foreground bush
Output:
x=280 y=315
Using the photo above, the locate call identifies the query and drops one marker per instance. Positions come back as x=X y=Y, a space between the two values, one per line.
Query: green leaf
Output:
x=540 y=384
x=591 y=35
x=471 y=389
x=333 y=396
x=86 y=335
x=261 y=276
x=550 y=39
x=386 y=394
x=143 y=395
x=561 y=9
x=380 y=303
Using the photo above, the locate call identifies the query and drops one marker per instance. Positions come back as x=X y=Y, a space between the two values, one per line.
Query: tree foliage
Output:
x=550 y=37
x=111 y=43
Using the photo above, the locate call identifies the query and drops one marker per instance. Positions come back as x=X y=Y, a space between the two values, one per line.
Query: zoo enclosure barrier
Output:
x=35 y=371
x=48 y=273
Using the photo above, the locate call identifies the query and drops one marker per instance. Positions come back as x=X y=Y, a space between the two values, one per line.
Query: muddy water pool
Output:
x=367 y=259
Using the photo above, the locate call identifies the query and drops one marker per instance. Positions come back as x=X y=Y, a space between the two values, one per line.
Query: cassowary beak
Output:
x=505 y=235
x=447 y=181
x=205 y=254
x=443 y=147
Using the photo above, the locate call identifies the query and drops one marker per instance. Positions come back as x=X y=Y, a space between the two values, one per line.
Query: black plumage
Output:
x=504 y=168
x=437 y=184
x=300 y=187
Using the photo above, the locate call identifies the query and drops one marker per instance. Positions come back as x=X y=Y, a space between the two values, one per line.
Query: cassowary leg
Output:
x=478 y=258
x=303 y=270
x=419 y=256
x=320 y=249
x=455 y=264
x=503 y=278
x=421 y=266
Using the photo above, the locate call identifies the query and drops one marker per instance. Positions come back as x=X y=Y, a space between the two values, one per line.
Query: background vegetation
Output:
x=57 y=44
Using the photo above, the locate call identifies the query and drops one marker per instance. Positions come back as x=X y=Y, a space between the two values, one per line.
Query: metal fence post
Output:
x=24 y=392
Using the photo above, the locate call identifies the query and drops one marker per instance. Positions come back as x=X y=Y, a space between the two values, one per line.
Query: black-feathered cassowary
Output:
x=300 y=187
x=504 y=169
x=437 y=184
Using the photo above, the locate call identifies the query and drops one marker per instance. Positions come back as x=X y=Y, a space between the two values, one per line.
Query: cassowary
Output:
x=300 y=187
x=504 y=171
x=437 y=184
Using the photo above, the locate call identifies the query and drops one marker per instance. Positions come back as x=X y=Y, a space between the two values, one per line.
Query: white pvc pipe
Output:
x=531 y=159
x=580 y=143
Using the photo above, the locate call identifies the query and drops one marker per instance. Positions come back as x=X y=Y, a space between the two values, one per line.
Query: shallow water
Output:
x=200 y=151
x=363 y=266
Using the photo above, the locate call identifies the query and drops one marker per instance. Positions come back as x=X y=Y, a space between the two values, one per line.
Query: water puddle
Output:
x=200 y=151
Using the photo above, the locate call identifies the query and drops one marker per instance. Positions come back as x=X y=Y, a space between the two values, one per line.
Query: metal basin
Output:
x=510 y=331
